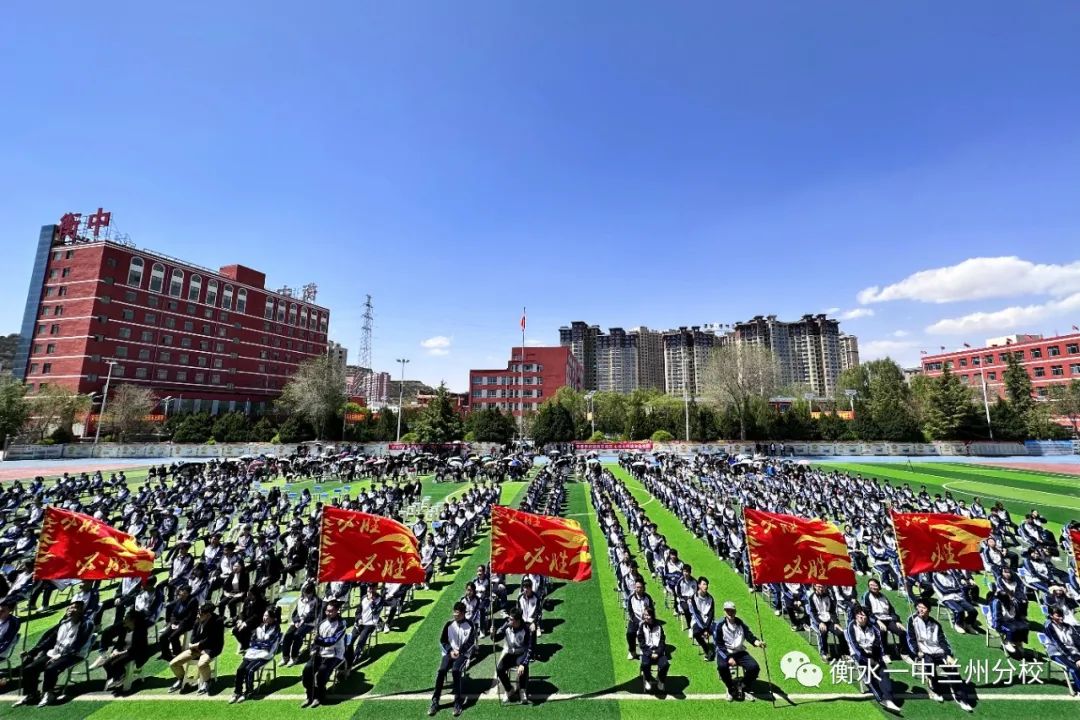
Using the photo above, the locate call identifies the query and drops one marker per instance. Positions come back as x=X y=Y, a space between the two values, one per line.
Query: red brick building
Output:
x=546 y=370
x=1048 y=362
x=213 y=341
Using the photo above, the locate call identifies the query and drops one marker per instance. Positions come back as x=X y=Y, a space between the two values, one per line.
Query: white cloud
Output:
x=831 y=311
x=901 y=333
x=437 y=346
x=1010 y=318
x=856 y=313
x=875 y=349
x=978 y=279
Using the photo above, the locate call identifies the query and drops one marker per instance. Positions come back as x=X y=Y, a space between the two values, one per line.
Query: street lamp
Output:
x=592 y=416
x=401 y=395
x=166 y=401
x=86 y=424
x=851 y=393
x=986 y=404
x=809 y=397
x=104 y=399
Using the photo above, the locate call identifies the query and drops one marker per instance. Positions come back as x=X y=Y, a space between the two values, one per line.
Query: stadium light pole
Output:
x=104 y=399
x=401 y=395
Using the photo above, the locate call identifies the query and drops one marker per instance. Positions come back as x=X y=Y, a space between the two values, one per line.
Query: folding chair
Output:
x=988 y=627
x=1051 y=662
x=83 y=665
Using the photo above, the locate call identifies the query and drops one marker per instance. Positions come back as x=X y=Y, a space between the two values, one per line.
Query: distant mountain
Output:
x=8 y=343
x=412 y=389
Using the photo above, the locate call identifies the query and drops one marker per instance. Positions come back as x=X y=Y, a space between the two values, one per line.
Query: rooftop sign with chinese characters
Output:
x=74 y=228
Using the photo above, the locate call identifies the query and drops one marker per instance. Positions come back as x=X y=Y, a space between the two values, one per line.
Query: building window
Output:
x=127 y=314
x=268 y=309
x=292 y=314
x=33 y=368
x=69 y=254
x=976 y=361
x=176 y=282
x=130 y=296
x=54 y=329
x=194 y=288
x=46 y=368
x=1003 y=357
x=223 y=316
x=189 y=326
x=184 y=360
x=226 y=297
x=140 y=373
x=181 y=375
x=241 y=300
x=49 y=349
x=144 y=354
x=121 y=351
x=1041 y=392
x=1075 y=368
x=165 y=357
x=190 y=309
x=1057 y=370
x=170 y=322
x=40 y=330
x=1072 y=348
x=150 y=319
x=1053 y=351
x=280 y=311
x=166 y=339
x=200 y=378
x=218 y=363
x=963 y=362
x=211 y=292
x=123 y=333
x=50 y=291
x=1040 y=372
x=303 y=317
x=201 y=361
x=118 y=370
x=65 y=272
x=147 y=336
x=152 y=300
x=157 y=277
x=1036 y=353
x=162 y=374
x=215 y=379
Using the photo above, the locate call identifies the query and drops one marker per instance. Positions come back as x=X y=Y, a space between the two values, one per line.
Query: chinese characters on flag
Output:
x=358 y=547
x=933 y=542
x=785 y=548
x=74 y=545
x=522 y=542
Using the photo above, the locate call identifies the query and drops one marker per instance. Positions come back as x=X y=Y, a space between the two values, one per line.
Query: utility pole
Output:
x=401 y=396
x=104 y=399
x=986 y=405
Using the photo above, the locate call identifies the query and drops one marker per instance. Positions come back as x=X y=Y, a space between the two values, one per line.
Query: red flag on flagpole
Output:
x=74 y=545
x=933 y=542
x=1075 y=329
x=786 y=548
x=524 y=542
x=522 y=319
x=359 y=547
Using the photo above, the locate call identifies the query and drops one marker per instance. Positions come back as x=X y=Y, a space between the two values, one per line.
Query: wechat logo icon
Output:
x=797 y=666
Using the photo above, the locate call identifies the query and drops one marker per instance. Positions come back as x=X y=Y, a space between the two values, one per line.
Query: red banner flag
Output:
x=522 y=319
x=522 y=542
x=1074 y=540
x=933 y=542
x=786 y=548
x=358 y=547
x=74 y=545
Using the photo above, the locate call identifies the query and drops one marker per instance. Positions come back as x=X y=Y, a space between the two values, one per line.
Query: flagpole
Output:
x=491 y=607
x=900 y=566
x=757 y=609
x=521 y=373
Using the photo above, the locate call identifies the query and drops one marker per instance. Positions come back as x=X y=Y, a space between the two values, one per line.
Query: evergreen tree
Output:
x=439 y=422
x=553 y=423
x=950 y=412
x=1017 y=386
x=890 y=403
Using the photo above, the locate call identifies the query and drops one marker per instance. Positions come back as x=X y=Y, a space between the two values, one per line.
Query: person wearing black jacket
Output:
x=180 y=615
x=207 y=640
x=652 y=644
x=251 y=613
x=305 y=615
x=327 y=653
x=457 y=639
x=58 y=649
x=636 y=605
x=132 y=647
x=730 y=638
x=234 y=589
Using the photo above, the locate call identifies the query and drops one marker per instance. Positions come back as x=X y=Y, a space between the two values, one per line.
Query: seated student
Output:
x=1041 y=574
x=327 y=653
x=394 y=599
x=638 y=602
x=456 y=641
x=180 y=616
x=251 y=613
x=9 y=628
x=1011 y=583
x=474 y=608
x=792 y=601
x=517 y=647
x=21 y=584
x=821 y=608
x=367 y=623
x=304 y=616
x=206 y=642
x=868 y=651
x=532 y=609
x=702 y=610
x=131 y=647
x=880 y=609
x=995 y=558
x=261 y=649
x=58 y=649
x=730 y=637
x=1063 y=645
x=951 y=594
x=927 y=642
x=652 y=645
x=1059 y=597
x=1005 y=619
x=684 y=591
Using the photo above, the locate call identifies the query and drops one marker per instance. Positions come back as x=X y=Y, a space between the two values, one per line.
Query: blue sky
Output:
x=622 y=163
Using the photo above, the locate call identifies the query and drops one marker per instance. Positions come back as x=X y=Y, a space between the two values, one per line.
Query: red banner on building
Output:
x=423 y=447
x=640 y=445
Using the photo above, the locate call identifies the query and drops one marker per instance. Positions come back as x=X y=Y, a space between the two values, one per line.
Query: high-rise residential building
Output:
x=364 y=382
x=338 y=353
x=686 y=354
x=207 y=340
x=545 y=370
x=849 y=352
x=807 y=351
x=617 y=361
x=650 y=358
x=580 y=337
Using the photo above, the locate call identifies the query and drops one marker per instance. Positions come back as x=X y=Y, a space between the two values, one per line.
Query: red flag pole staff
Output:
x=491 y=606
x=757 y=609
x=901 y=572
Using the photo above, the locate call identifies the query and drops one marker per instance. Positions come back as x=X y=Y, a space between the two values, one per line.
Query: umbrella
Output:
x=515 y=463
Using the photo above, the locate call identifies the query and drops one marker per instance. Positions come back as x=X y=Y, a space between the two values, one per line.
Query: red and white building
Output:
x=519 y=390
x=1048 y=362
x=210 y=340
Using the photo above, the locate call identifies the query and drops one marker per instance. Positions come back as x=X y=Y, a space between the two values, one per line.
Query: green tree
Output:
x=609 y=412
x=950 y=411
x=889 y=401
x=1067 y=401
x=13 y=409
x=386 y=425
x=232 y=427
x=53 y=408
x=127 y=409
x=553 y=423
x=1017 y=385
x=662 y=436
x=439 y=422
x=316 y=393
x=264 y=430
x=195 y=428
x=295 y=429
x=491 y=425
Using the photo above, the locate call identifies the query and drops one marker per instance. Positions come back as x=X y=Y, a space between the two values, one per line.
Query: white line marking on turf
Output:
x=555 y=697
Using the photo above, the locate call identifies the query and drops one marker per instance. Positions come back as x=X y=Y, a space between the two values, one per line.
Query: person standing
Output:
x=457 y=639
x=327 y=653
x=517 y=648
x=730 y=638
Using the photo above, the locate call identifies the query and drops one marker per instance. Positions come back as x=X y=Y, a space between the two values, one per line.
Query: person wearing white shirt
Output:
x=927 y=642
x=261 y=649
